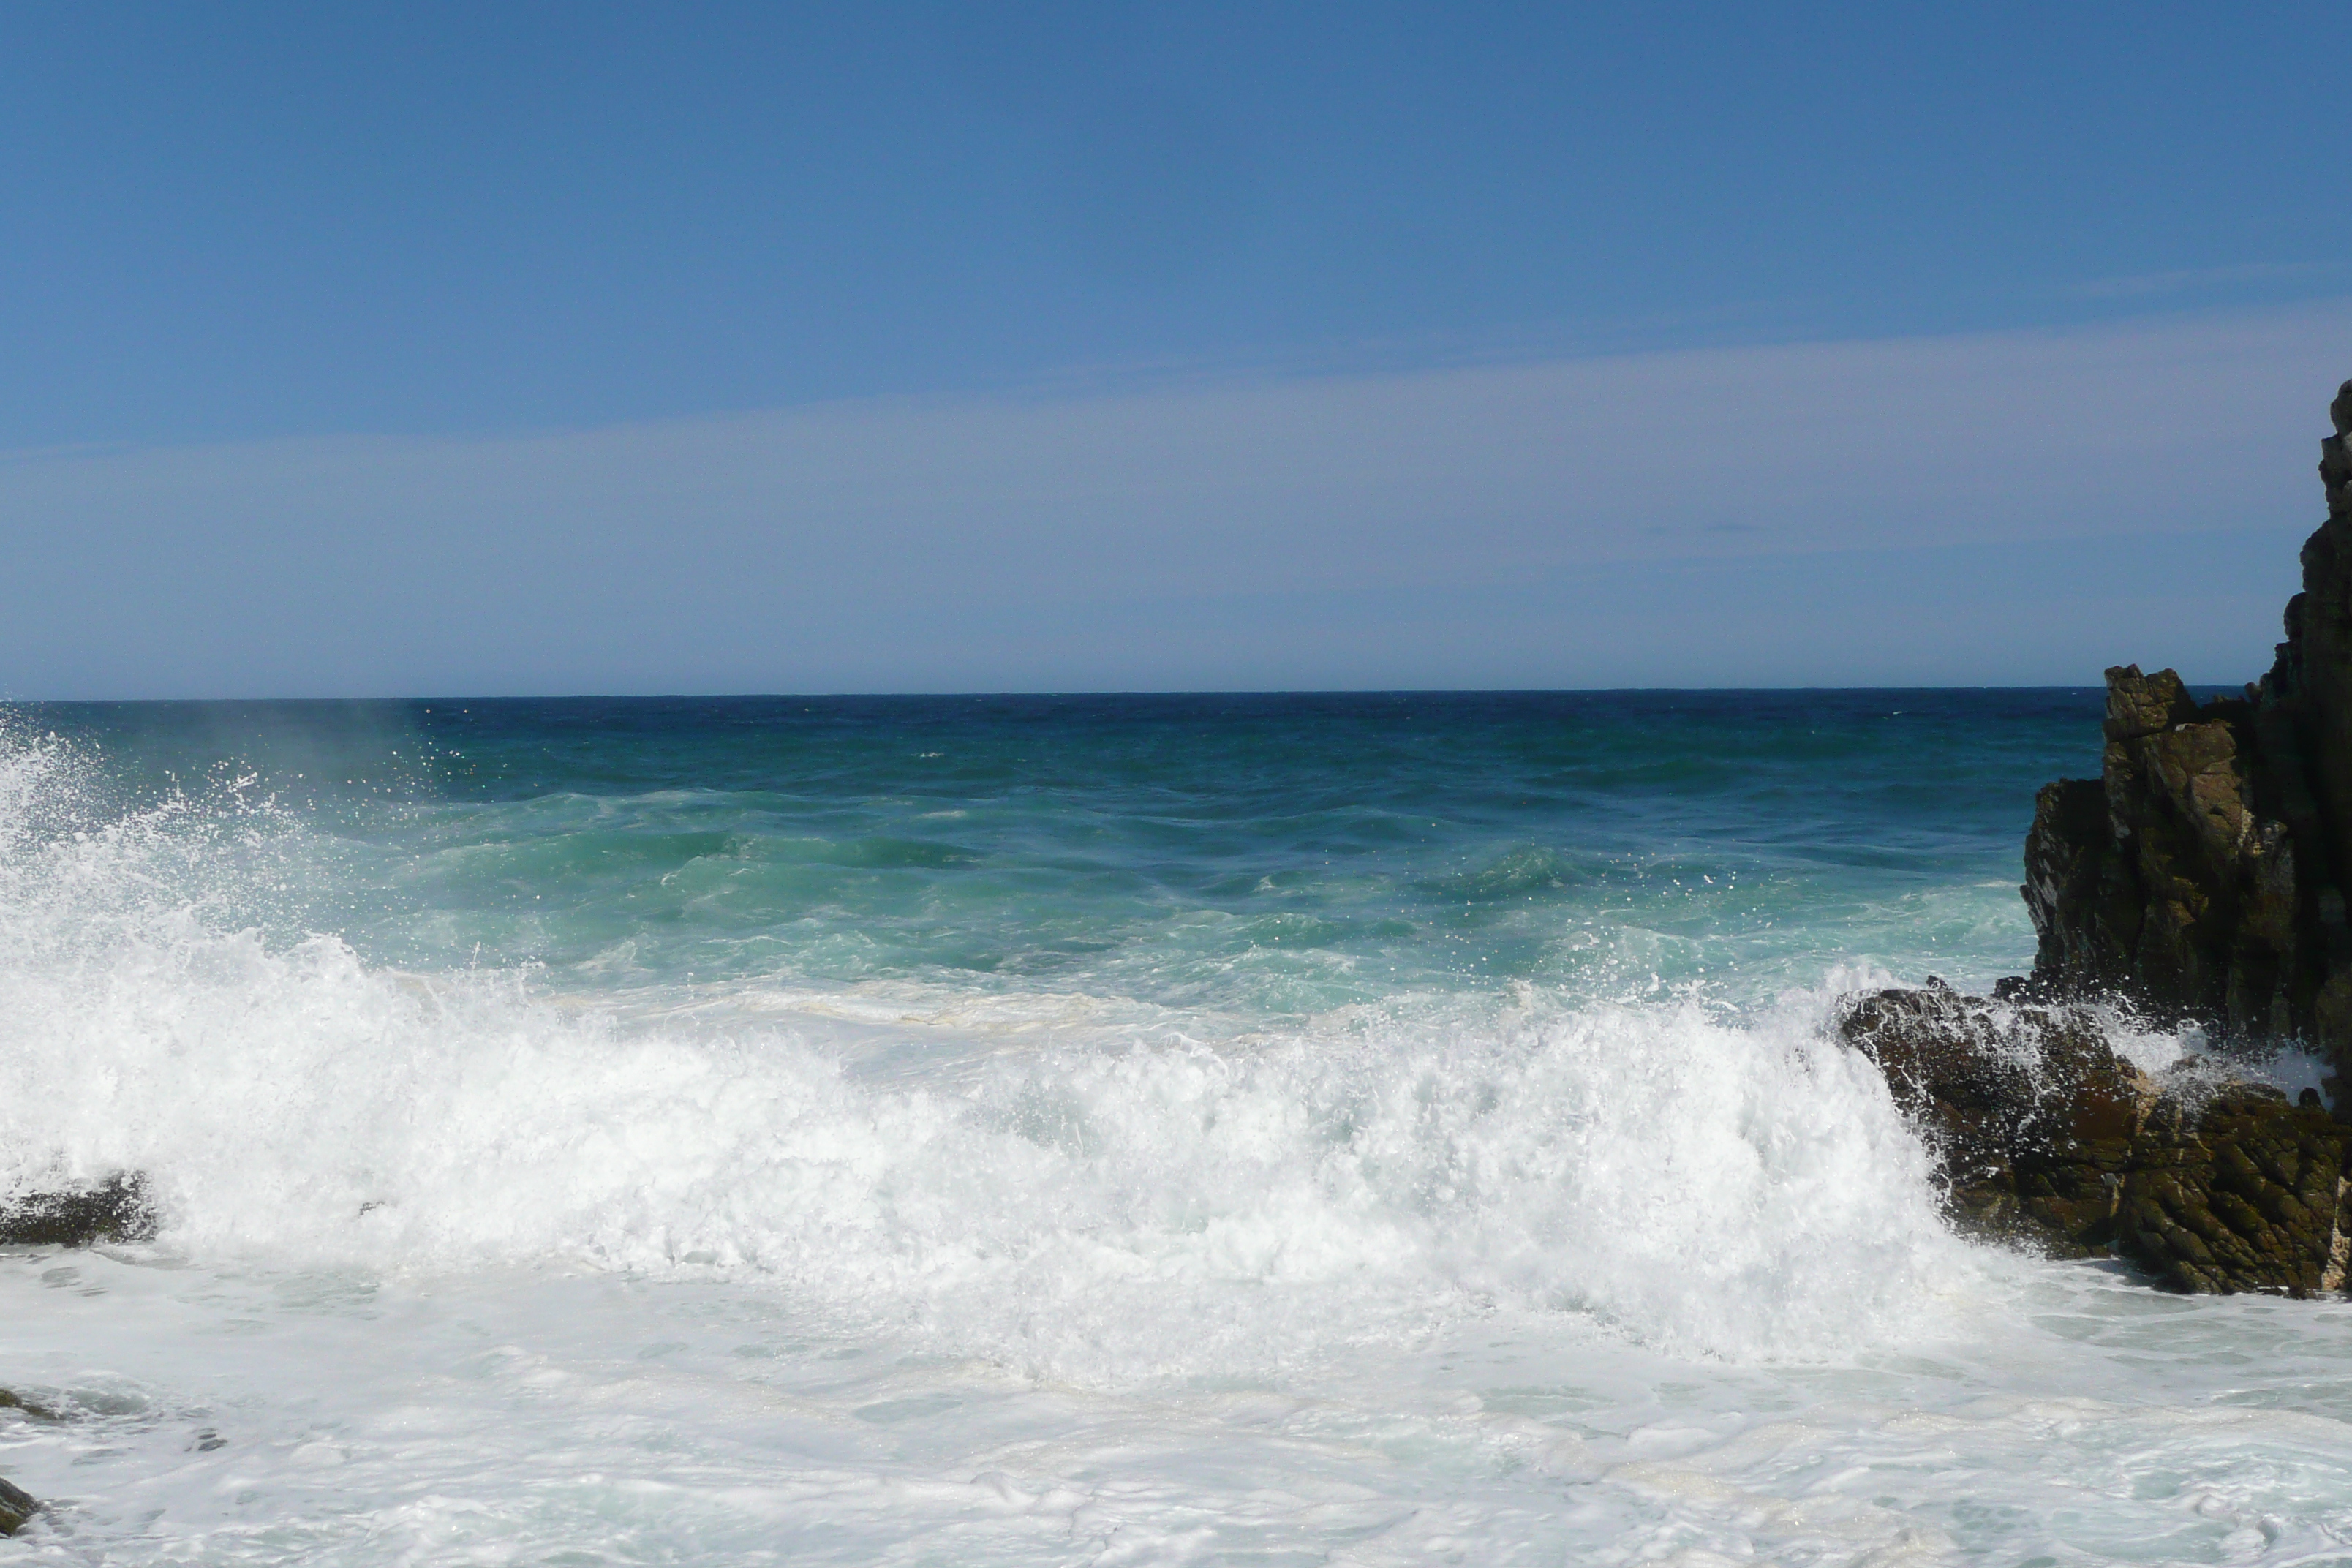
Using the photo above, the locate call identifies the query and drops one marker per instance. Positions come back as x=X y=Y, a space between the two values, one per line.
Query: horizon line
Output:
x=1072 y=694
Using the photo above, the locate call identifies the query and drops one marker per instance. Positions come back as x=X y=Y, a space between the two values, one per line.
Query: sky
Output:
x=530 y=348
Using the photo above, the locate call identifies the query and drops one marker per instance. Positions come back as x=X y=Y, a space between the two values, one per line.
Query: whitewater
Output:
x=1371 y=1131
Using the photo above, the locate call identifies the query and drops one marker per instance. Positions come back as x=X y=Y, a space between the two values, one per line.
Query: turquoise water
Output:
x=1275 y=855
x=1268 y=1130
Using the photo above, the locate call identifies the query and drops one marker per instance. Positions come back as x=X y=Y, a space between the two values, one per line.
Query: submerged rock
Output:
x=116 y=1209
x=10 y=1401
x=2043 y=1136
x=17 y=1507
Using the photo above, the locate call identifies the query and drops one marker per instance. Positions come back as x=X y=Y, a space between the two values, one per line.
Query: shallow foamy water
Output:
x=225 y=1415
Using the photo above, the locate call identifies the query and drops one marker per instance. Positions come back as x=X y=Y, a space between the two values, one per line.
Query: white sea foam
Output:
x=459 y=1271
x=1738 y=1189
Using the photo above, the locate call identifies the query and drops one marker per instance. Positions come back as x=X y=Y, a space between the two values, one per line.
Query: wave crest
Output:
x=1105 y=1206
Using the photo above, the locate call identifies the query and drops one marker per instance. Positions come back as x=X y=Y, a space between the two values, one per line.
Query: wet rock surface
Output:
x=17 y=1509
x=2044 y=1137
x=2026 y=1109
x=117 y=1209
x=2240 y=1190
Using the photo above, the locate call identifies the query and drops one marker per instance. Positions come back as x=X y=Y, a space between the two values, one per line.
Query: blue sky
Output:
x=438 y=349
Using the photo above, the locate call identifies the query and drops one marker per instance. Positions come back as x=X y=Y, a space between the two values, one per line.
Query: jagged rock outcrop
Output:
x=2199 y=876
x=117 y=1209
x=2166 y=880
x=2043 y=1136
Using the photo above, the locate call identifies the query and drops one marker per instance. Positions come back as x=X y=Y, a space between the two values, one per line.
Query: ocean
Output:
x=1268 y=1130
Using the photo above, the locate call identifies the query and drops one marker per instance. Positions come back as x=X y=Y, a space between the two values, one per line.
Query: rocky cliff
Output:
x=2200 y=875
x=2200 y=878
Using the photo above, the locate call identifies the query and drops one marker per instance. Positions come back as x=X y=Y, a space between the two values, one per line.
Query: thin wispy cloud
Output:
x=2152 y=285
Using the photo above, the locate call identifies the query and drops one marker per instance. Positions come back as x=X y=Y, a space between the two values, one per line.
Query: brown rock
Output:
x=2028 y=1111
x=2044 y=1137
x=2084 y=897
x=2238 y=1192
x=2140 y=705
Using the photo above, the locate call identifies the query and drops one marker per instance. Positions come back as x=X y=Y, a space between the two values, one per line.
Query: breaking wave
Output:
x=1106 y=1203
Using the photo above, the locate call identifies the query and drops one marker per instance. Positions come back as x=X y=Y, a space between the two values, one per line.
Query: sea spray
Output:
x=1695 y=1181
x=1382 y=1129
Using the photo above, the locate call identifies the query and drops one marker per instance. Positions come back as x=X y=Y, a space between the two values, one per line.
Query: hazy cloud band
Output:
x=1948 y=509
